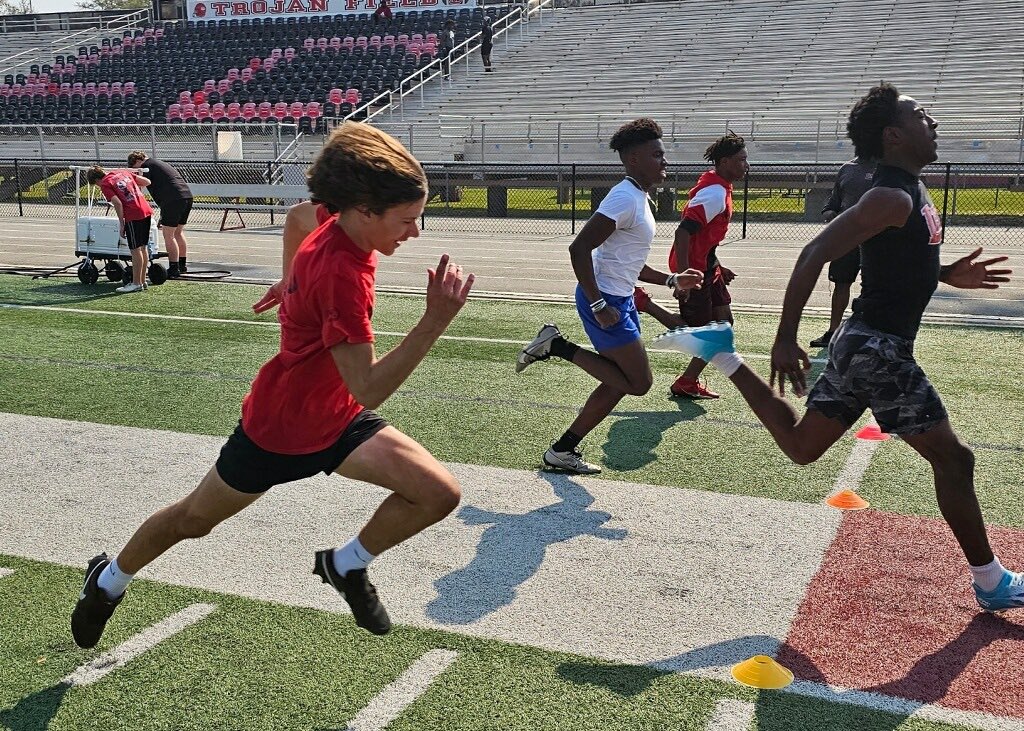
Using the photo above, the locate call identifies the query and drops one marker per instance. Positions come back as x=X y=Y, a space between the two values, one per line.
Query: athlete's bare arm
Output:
x=594 y=233
x=371 y=380
x=877 y=210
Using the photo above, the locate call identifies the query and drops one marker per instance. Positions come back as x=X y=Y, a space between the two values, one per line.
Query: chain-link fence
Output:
x=979 y=203
x=583 y=139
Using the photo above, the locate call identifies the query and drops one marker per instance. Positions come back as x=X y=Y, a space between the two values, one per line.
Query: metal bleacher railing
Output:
x=391 y=100
x=99 y=27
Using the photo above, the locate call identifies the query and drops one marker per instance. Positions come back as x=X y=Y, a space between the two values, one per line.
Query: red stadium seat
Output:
x=234 y=111
x=281 y=111
x=265 y=111
x=218 y=111
x=199 y=97
x=336 y=96
x=249 y=111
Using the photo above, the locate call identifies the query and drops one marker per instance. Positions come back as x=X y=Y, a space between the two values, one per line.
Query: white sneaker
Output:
x=569 y=462
x=539 y=348
x=128 y=288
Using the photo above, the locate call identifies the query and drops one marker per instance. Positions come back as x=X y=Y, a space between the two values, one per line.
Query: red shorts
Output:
x=698 y=309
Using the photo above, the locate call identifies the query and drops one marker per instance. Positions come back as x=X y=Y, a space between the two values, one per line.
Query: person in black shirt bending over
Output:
x=172 y=194
x=871 y=360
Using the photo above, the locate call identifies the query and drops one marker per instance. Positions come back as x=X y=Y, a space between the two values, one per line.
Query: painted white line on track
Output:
x=857 y=463
x=387 y=705
x=732 y=715
x=225 y=321
x=138 y=644
x=903 y=707
x=5 y=572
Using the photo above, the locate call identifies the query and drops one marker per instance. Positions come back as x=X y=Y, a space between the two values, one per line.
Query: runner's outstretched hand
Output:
x=447 y=290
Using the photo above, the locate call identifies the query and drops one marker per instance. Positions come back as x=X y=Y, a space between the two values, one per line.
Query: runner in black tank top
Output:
x=900 y=266
x=871 y=360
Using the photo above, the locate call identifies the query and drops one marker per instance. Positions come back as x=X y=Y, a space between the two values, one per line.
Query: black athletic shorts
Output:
x=137 y=232
x=871 y=369
x=249 y=468
x=699 y=306
x=844 y=270
x=176 y=212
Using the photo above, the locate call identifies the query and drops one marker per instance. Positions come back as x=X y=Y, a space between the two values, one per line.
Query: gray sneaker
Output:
x=569 y=462
x=539 y=348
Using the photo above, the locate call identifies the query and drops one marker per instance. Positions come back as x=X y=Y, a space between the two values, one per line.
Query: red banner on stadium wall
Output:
x=231 y=9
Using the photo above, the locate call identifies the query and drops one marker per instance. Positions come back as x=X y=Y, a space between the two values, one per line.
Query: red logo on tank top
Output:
x=931 y=217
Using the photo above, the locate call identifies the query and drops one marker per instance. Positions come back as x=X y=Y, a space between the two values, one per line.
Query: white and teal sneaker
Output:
x=702 y=342
x=1008 y=595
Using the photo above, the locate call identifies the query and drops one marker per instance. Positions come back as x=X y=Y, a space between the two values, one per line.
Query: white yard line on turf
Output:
x=857 y=463
x=732 y=715
x=138 y=644
x=387 y=705
x=5 y=572
x=223 y=321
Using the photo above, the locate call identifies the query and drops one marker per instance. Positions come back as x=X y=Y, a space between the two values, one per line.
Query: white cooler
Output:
x=99 y=236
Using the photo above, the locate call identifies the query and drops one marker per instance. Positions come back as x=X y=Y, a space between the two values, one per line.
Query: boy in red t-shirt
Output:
x=124 y=191
x=308 y=409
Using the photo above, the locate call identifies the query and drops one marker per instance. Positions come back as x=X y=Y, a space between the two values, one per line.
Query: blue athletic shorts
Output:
x=624 y=332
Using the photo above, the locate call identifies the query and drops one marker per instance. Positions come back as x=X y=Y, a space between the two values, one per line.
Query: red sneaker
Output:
x=641 y=299
x=691 y=388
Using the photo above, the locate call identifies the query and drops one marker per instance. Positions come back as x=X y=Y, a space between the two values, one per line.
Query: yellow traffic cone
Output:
x=761 y=671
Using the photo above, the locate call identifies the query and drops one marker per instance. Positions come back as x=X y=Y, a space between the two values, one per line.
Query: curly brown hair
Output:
x=136 y=156
x=362 y=166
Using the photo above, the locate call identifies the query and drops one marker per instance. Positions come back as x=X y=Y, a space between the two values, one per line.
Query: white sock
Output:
x=988 y=576
x=113 y=580
x=727 y=363
x=351 y=556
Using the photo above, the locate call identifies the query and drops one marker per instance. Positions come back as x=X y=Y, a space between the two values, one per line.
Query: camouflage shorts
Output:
x=871 y=369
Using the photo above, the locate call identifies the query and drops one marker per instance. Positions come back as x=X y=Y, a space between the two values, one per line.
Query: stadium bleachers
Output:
x=296 y=70
x=708 y=65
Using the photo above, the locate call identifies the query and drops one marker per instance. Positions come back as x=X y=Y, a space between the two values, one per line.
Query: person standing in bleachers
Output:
x=486 y=43
x=383 y=11
x=448 y=50
x=852 y=181
x=172 y=194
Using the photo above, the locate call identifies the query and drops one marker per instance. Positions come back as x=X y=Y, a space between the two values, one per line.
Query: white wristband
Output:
x=598 y=305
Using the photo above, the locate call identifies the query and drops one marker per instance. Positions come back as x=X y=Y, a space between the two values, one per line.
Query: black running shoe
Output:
x=357 y=590
x=93 y=608
x=823 y=341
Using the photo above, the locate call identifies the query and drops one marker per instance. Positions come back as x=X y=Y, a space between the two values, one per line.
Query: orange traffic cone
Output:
x=761 y=671
x=873 y=433
x=847 y=500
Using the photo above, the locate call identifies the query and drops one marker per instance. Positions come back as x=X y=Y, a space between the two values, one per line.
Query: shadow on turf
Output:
x=633 y=438
x=67 y=292
x=512 y=549
x=34 y=712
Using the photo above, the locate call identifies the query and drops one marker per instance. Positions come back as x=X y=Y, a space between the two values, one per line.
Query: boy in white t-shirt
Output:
x=608 y=256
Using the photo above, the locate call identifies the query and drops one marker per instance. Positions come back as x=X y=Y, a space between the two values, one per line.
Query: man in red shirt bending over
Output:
x=124 y=191
x=704 y=224
x=309 y=408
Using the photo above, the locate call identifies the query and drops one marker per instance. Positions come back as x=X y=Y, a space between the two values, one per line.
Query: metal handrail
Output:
x=437 y=64
x=46 y=55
